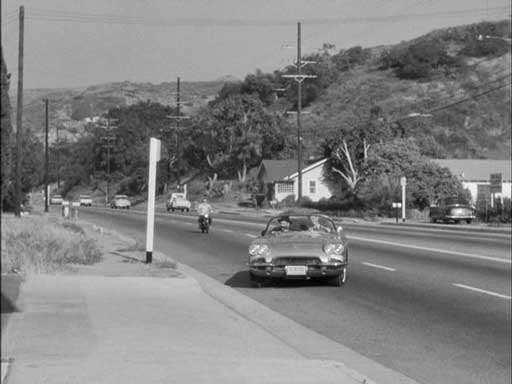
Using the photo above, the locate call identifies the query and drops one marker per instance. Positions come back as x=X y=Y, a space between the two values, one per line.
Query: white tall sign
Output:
x=403 y=183
x=154 y=156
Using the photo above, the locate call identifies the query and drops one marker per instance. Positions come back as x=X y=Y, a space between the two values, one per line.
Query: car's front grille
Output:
x=291 y=260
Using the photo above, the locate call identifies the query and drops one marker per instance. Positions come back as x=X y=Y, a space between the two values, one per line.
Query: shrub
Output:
x=500 y=213
x=38 y=244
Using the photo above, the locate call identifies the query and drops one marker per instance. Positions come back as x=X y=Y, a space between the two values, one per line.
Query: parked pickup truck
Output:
x=452 y=210
x=177 y=201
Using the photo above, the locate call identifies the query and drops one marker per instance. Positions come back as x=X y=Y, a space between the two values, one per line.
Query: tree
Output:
x=234 y=133
x=6 y=128
x=349 y=151
x=426 y=181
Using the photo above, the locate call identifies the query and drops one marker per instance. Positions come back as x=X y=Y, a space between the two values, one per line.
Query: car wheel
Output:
x=172 y=209
x=188 y=209
x=341 y=278
x=468 y=221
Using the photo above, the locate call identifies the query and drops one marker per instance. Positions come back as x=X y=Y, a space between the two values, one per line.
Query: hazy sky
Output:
x=85 y=42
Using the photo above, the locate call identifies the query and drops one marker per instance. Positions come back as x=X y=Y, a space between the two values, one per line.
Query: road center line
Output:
x=482 y=257
x=227 y=230
x=250 y=235
x=379 y=267
x=483 y=291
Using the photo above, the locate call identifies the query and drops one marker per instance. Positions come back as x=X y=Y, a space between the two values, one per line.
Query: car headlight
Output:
x=334 y=249
x=259 y=249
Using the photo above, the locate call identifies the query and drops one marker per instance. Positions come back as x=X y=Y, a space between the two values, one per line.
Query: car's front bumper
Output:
x=459 y=217
x=316 y=271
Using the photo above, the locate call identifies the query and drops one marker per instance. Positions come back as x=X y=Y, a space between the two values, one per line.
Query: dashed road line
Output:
x=482 y=257
x=483 y=291
x=227 y=230
x=379 y=266
x=251 y=235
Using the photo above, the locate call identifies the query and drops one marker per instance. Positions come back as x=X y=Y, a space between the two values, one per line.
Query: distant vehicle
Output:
x=297 y=245
x=85 y=200
x=120 y=201
x=453 y=210
x=178 y=201
x=56 y=199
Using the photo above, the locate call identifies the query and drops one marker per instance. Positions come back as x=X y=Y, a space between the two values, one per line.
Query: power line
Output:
x=444 y=99
x=469 y=98
x=451 y=105
x=60 y=16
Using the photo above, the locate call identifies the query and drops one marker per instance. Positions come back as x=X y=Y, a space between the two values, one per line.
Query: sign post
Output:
x=403 y=183
x=154 y=156
x=495 y=186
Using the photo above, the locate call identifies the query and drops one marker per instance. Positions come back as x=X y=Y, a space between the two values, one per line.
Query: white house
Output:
x=282 y=176
x=475 y=176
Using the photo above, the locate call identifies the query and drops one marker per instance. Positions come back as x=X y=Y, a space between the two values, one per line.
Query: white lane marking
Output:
x=226 y=230
x=483 y=291
x=379 y=266
x=250 y=235
x=497 y=259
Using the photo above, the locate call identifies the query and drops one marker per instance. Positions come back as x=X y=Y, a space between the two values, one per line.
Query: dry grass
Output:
x=39 y=244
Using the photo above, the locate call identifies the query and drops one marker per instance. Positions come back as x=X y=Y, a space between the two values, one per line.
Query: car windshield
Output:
x=121 y=197
x=300 y=223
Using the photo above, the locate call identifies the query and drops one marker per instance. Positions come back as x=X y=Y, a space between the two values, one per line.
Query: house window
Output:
x=312 y=187
x=285 y=188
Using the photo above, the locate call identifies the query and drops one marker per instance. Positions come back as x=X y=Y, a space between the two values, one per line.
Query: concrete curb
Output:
x=304 y=340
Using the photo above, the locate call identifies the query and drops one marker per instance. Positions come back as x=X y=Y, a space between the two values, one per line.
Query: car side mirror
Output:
x=263 y=233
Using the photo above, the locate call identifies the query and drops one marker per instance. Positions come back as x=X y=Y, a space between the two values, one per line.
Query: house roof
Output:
x=477 y=169
x=276 y=170
x=306 y=169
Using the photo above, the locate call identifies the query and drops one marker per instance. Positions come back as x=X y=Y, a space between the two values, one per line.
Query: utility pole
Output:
x=57 y=150
x=19 y=115
x=177 y=119
x=299 y=78
x=46 y=157
x=107 y=143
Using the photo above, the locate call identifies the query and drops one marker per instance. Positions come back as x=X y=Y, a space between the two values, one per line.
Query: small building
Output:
x=475 y=175
x=281 y=178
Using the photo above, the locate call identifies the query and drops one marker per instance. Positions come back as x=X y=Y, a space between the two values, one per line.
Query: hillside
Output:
x=467 y=93
x=425 y=75
x=70 y=106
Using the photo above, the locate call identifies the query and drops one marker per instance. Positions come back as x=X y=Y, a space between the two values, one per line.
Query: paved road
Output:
x=439 y=312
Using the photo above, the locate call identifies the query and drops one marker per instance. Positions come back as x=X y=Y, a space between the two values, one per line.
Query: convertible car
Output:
x=299 y=246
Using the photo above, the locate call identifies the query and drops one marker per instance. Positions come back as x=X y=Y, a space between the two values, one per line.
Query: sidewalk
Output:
x=123 y=321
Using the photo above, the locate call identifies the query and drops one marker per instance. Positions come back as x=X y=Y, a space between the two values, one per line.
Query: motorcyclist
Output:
x=204 y=209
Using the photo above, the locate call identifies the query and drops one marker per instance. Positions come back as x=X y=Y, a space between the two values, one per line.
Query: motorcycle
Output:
x=204 y=223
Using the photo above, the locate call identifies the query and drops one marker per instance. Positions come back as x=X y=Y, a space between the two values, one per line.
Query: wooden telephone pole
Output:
x=299 y=78
x=19 y=115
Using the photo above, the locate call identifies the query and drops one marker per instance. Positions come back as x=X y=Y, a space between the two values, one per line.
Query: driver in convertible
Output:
x=284 y=224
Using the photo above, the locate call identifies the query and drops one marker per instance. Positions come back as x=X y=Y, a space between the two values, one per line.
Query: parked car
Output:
x=120 y=201
x=177 y=201
x=297 y=245
x=452 y=210
x=85 y=200
x=56 y=199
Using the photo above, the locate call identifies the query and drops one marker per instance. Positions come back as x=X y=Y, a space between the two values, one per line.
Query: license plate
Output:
x=296 y=270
